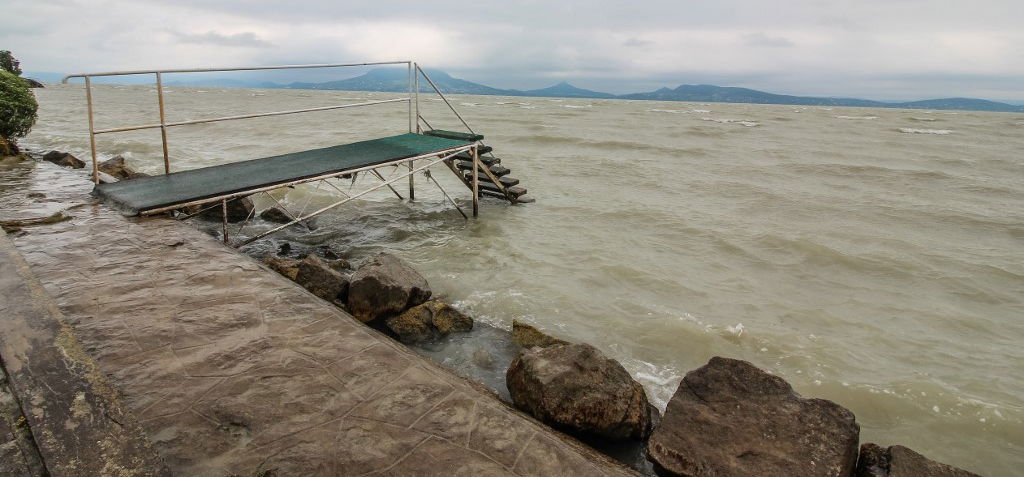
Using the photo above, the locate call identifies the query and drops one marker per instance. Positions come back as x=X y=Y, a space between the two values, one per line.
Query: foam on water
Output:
x=741 y=122
x=941 y=132
x=856 y=117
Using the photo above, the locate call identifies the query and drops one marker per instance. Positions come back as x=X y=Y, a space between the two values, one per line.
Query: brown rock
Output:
x=289 y=267
x=385 y=286
x=116 y=167
x=7 y=148
x=529 y=337
x=575 y=387
x=320 y=279
x=427 y=321
x=276 y=215
x=238 y=210
x=32 y=83
x=63 y=159
x=760 y=426
x=899 y=461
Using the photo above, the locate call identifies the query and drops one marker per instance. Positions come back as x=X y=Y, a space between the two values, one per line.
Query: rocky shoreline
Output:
x=726 y=418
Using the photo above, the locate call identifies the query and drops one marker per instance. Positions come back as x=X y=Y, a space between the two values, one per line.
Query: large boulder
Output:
x=116 y=167
x=320 y=279
x=289 y=267
x=577 y=388
x=729 y=418
x=276 y=215
x=899 y=461
x=526 y=336
x=427 y=321
x=63 y=159
x=238 y=210
x=385 y=286
x=32 y=83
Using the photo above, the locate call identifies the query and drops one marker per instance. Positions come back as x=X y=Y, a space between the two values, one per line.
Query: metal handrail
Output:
x=163 y=125
x=438 y=91
x=233 y=68
x=246 y=116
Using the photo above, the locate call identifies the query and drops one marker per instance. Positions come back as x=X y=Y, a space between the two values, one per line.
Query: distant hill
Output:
x=565 y=90
x=394 y=80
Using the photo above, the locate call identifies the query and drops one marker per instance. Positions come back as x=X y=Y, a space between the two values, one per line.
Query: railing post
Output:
x=476 y=180
x=416 y=93
x=163 y=122
x=92 y=129
x=412 y=120
x=224 y=217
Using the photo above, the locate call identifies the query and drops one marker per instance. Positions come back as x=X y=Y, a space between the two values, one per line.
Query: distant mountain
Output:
x=565 y=90
x=706 y=93
x=395 y=80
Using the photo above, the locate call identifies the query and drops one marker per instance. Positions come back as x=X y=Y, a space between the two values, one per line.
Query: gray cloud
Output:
x=798 y=46
x=761 y=39
x=244 y=39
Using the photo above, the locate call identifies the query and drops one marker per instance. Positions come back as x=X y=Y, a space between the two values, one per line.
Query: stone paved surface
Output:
x=233 y=369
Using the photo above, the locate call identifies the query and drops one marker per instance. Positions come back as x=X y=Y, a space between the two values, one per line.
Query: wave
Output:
x=672 y=111
x=926 y=131
x=856 y=117
x=742 y=122
x=924 y=119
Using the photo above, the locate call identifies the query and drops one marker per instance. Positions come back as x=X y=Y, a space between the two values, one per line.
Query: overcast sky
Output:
x=879 y=49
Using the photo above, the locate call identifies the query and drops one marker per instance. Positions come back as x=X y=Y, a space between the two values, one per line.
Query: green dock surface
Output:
x=139 y=195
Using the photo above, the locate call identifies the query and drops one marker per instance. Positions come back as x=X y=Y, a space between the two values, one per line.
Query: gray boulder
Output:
x=729 y=418
x=899 y=461
x=289 y=267
x=429 y=320
x=385 y=286
x=577 y=388
x=63 y=159
x=527 y=336
x=320 y=279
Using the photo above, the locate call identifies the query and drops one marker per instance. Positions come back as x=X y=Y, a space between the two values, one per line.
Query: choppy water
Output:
x=873 y=257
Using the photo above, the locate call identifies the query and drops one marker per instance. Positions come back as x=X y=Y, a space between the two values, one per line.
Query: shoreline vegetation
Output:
x=726 y=418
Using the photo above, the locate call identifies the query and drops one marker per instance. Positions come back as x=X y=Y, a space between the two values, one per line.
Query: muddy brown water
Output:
x=874 y=257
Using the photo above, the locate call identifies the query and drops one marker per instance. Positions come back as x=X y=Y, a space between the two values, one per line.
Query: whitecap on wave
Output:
x=926 y=131
x=700 y=110
x=856 y=117
x=672 y=111
x=742 y=122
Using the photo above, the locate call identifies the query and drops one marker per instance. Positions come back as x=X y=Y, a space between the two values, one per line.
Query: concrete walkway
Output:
x=233 y=369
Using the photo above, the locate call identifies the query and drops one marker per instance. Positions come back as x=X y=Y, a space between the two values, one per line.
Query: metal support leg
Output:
x=389 y=185
x=446 y=196
x=224 y=215
x=476 y=181
x=412 y=187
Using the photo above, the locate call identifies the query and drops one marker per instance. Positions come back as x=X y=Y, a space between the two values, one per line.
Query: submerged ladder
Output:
x=493 y=178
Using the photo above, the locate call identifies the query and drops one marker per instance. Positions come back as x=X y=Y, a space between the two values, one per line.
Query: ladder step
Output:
x=505 y=181
x=496 y=170
x=514 y=191
x=458 y=136
x=490 y=161
x=525 y=200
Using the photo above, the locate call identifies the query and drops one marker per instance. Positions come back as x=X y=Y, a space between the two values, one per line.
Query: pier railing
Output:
x=414 y=116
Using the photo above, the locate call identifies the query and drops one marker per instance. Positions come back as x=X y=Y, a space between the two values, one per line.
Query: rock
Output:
x=760 y=426
x=115 y=166
x=32 y=83
x=529 y=337
x=899 y=461
x=63 y=159
x=284 y=249
x=577 y=388
x=238 y=210
x=428 y=320
x=7 y=148
x=322 y=280
x=276 y=215
x=288 y=267
x=385 y=286
x=339 y=265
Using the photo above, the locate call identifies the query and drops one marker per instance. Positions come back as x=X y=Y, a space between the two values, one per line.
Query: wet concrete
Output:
x=233 y=369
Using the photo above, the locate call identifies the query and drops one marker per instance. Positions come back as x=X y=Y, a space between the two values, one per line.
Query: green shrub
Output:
x=9 y=64
x=17 y=107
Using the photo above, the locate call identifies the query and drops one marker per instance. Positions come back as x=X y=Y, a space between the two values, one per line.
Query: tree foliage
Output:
x=9 y=63
x=17 y=107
